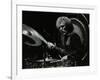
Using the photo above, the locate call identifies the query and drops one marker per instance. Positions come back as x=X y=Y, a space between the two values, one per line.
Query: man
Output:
x=68 y=44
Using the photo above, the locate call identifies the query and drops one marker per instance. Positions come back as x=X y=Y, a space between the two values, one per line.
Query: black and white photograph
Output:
x=55 y=39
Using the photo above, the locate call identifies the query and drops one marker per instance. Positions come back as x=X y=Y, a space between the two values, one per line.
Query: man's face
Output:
x=62 y=28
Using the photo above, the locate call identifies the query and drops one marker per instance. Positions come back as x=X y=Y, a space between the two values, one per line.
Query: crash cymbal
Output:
x=31 y=35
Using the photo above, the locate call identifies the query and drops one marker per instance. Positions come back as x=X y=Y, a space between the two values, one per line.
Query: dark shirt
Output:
x=70 y=45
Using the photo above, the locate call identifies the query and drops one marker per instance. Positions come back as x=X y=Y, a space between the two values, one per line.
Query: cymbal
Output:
x=48 y=60
x=31 y=34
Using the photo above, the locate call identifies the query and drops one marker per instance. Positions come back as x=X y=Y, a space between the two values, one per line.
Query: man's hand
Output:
x=64 y=58
x=50 y=45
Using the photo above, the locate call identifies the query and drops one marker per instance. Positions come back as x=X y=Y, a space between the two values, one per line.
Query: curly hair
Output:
x=66 y=21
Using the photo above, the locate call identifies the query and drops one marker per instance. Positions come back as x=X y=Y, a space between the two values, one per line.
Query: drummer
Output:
x=68 y=43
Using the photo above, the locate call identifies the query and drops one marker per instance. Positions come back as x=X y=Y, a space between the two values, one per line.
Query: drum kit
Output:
x=79 y=27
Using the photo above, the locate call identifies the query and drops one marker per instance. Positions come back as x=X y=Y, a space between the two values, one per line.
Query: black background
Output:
x=45 y=24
